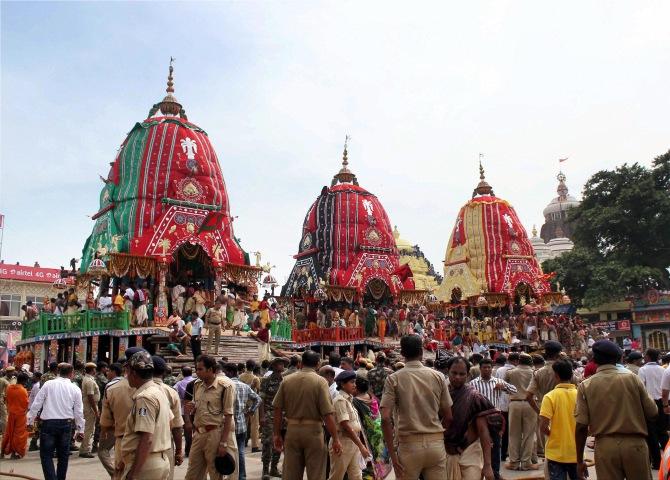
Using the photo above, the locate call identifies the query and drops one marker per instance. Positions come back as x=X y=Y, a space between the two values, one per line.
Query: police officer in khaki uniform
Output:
x=214 y=425
x=116 y=406
x=90 y=396
x=213 y=319
x=522 y=418
x=419 y=398
x=349 y=431
x=254 y=383
x=305 y=400
x=177 y=423
x=4 y=383
x=146 y=440
x=614 y=405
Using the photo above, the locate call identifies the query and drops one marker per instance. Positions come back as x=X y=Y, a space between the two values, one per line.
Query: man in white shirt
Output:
x=105 y=303
x=58 y=405
x=197 y=325
x=651 y=374
x=512 y=361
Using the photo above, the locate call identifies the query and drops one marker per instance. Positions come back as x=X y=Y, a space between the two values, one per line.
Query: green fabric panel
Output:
x=104 y=240
x=125 y=196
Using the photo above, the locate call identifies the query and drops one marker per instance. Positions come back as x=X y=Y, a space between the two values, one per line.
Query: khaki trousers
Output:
x=214 y=334
x=89 y=430
x=203 y=452
x=254 y=429
x=345 y=463
x=117 y=457
x=522 y=425
x=156 y=467
x=423 y=455
x=620 y=457
x=105 y=445
x=304 y=449
x=3 y=416
x=468 y=465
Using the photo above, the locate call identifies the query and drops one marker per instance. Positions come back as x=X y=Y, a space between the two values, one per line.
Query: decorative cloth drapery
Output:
x=241 y=274
x=122 y=264
x=412 y=297
x=551 y=298
x=337 y=293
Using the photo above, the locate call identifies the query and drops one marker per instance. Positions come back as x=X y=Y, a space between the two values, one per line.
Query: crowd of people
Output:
x=452 y=417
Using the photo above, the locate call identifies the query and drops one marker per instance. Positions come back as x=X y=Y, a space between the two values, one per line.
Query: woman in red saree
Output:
x=15 y=439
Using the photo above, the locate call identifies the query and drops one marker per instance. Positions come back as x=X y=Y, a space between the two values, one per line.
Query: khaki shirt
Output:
x=89 y=387
x=419 y=395
x=544 y=381
x=345 y=412
x=150 y=413
x=214 y=316
x=520 y=377
x=304 y=396
x=614 y=402
x=175 y=405
x=252 y=380
x=116 y=407
x=633 y=368
x=209 y=409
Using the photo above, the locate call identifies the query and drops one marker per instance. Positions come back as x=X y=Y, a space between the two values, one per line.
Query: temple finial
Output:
x=345 y=175
x=483 y=188
x=169 y=105
x=534 y=231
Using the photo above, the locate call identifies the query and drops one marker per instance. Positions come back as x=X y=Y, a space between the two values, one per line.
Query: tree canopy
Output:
x=621 y=235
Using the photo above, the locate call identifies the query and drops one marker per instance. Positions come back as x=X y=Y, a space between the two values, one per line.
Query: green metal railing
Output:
x=86 y=321
x=281 y=330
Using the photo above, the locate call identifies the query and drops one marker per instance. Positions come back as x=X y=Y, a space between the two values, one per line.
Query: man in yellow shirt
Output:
x=557 y=422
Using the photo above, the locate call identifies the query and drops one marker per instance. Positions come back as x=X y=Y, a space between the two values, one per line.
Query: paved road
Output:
x=91 y=469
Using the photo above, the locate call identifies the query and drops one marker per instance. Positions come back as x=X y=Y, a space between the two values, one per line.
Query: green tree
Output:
x=621 y=235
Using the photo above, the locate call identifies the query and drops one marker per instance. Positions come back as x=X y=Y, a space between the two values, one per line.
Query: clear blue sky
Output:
x=421 y=89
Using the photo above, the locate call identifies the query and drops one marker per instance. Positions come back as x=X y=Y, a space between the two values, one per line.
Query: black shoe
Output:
x=86 y=455
x=255 y=450
x=94 y=449
x=33 y=447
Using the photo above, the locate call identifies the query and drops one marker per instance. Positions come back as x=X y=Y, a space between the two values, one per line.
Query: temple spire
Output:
x=169 y=105
x=345 y=175
x=483 y=188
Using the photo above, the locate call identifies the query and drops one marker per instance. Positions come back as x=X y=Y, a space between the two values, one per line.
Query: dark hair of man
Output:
x=430 y=363
x=475 y=358
x=89 y=370
x=37 y=375
x=256 y=370
x=240 y=367
x=294 y=361
x=22 y=378
x=501 y=359
x=526 y=360
x=563 y=369
x=250 y=365
x=348 y=360
x=362 y=385
x=231 y=369
x=411 y=347
x=653 y=354
x=102 y=365
x=334 y=359
x=144 y=374
x=265 y=364
x=65 y=370
x=78 y=365
x=513 y=357
x=117 y=368
x=455 y=360
x=186 y=372
x=537 y=359
x=53 y=367
x=310 y=359
x=208 y=362
x=486 y=361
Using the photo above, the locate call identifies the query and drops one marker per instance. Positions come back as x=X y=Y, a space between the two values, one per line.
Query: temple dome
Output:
x=489 y=250
x=163 y=184
x=346 y=241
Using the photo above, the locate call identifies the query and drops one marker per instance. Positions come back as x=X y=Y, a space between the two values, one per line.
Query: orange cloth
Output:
x=381 y=328
x=15 y=439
